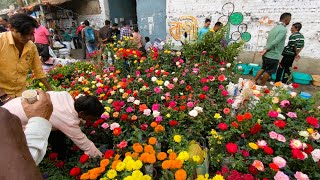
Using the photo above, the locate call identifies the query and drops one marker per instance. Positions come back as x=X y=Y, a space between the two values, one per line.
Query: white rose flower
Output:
x=155 y=113
x=315 y=136
x=304 y=134
x=153 y=79
x=163 y=98
x=228 y=65
x=175 y=80
x=316 y=155
x=198 y=109
x=193 y=113
x=281 y=116
x=136 y=102
x=177 y=63
x=130 y=99
x=112 y=92
x=121 y=90
x=293 y=94
x=114 y=125
x=166 y=83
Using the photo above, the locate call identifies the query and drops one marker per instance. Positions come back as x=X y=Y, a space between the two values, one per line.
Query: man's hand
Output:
x=262 y=53
x=41 y=108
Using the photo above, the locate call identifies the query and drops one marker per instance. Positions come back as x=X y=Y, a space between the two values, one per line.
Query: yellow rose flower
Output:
x=108 y=109
x=253 y=146
x=214 y=132
x=177 y=138
x=110 y=101
x=111 y=174
x=168 y=115
x=217 y=116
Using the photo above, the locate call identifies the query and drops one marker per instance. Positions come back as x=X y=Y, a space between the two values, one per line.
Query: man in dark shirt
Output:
x=105 y=33
x=115 y=32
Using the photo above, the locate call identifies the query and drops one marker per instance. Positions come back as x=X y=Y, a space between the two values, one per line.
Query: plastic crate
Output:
x=274 y=76
x=301 y=78
x=245 y=69
x=255 y=70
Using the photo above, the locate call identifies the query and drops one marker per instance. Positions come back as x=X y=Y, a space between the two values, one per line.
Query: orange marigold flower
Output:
x=166 y=164
x=148 y=149
x=172 y=155
x=115 y=163
x=104 y=163
x=151 y=159
x=137 y=148
x=154 y=124
x=94 y=176
x=144 y=157
x=134 y=118
x=278 y=84
x=128 y=154
x=85 y=176
x=117 y=157
x=162 y=156
x=247 y=115
x=176 y=164
x=159 y=129
x=180 y=174
x=152 y=141
x=135 y=155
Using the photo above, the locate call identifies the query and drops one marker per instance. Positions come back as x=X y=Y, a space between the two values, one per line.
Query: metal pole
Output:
x=42 y=12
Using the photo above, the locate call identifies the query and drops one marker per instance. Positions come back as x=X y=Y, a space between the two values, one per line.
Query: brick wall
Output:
x=259 y=16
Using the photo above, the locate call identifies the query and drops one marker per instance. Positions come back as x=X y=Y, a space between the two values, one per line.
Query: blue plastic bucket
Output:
x=305 y=95
x=302 y=78
x=245 y=69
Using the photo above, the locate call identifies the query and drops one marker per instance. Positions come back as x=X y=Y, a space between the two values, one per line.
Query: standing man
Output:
x=217 y=26
x=290 y=53
x=88 y=35
x=204 y=29
x=125 y=31
x=75 y=39
x=115 y=32
x=273 y=50
x=105 y=33
x=42 y=41
x=18 y=54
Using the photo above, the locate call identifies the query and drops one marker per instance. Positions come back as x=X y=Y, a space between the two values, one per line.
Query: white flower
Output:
x=114 y=125
x=315 y=136
x=166 y=83
x=198 y=109
x=228 y=65
x=162 y=43
x=175 y=80
x=130 y=99
x=316 y=155
x=193 y=113
x=293 y=94
x=177 y=63
x=147 y=112
x=140 y=80
x=136 y=102
x=281 y=116
x=163 y=98
x=156 y=113
x=153 y=79
x=222 y=69
x=304 y=134
x=112 y=92
x=81 y=79
x=121 y=90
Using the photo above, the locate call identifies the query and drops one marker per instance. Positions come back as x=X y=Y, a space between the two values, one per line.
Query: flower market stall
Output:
x=186 y=115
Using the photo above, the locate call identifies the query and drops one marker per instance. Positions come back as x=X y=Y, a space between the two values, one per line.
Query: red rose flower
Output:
x=268 y=150
x=313 y=121
x=280 y=124
x=223 y=126
x=274 y=167
x=84 y=158
x=75 y=171
x=144 y=127
x=266 y=91
x=253 y=170
x=247 y=116
x=232 y=148
x=116 y=131
x=124 y=117
x=240 y=118
x=245 y=153
x=235 y=125
x=248 y=177
x=255 y=129
x=297 y=154
x=295 y=85
x=108 y=154
x=224 y=170
x=53 y=156
x=309 y=149
x=59 y=164
x=202 y=96
x=173 y=123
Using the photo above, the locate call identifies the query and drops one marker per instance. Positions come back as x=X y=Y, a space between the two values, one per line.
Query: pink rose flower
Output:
x=105 y=116
x=224 y=93
x=281 y=138
x=262 y=143
x=292 y=115
x=230 y=101
x=258 y=164
x=155 y=107
x=158 y=119
x=129 y=109
x=279 y=161
x=296 y=144
x=190 y=105
x=211 y=78
x=182 y=82
x=281 y=176
x=105 y=125
x=93 y=132
x=170 y=86
x=147 y=112
x=221 y=87
x=157 y=90
x=172 y=104
x=285 y=103
x=122 y=144
x=273 y=135
x=300 y=176
x=205 y=88
x=273 y=114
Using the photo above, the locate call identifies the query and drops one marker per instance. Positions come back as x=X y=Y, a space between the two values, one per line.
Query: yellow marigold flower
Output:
x=183 y=156
x=111 y=174
x=214 y=132
x=128 y=178
x=253 y=146
x=177 y=138
x=146 y=177
x=168 y=115
x=107 y=108
x=120 y=166
x=137 y=165
x=169 y=151
x=130 y=165
x=127 y=159
x=196 y=159
x=218 y=177
x=137 y=174
x=217 y=116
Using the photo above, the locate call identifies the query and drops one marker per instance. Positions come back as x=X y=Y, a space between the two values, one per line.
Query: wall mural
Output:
x=185 y=24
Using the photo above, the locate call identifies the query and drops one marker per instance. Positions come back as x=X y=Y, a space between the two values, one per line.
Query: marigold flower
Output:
x=151 y=159
x=114 y=164
x=180 y=174
x=85 y=176
x=111 y=174
x=104 y=163
x=152 y=141
x=172 y=155
x=154 y=124
x=177 y=138
x=161 y=156
x=159 y=128
x=166 y=164
x=137 y=148
x=149 y=149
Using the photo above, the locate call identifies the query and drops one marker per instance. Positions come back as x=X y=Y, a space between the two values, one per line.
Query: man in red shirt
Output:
x=42 y=41
x=78 y=33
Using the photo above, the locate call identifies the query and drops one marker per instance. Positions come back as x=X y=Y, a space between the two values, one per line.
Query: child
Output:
x=66 y=117
x=148 y=44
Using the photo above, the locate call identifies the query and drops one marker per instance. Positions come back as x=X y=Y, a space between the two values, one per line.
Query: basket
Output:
x=302 y=78
x=244 y=69
x=255 y=70
x=203 y=169
x=316 y=80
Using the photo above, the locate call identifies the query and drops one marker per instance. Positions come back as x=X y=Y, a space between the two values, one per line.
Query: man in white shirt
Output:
x=21 y=151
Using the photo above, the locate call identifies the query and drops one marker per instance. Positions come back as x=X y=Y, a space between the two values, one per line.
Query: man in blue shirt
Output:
x=204 y=29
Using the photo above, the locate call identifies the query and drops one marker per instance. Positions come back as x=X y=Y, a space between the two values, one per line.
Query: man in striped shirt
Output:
x=290 y=53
